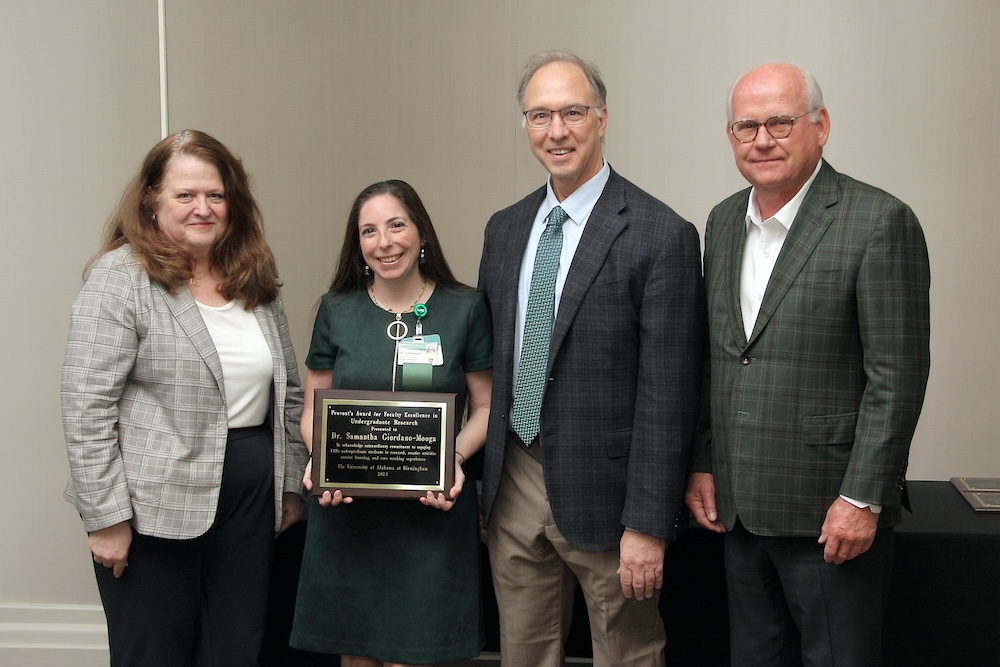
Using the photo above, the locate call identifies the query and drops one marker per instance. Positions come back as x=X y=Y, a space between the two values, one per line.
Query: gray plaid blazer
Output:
x=824 y=397
x=143 y=410
x=620 y=405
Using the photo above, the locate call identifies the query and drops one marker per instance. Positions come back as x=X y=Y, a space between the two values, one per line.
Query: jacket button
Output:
x=745 y=360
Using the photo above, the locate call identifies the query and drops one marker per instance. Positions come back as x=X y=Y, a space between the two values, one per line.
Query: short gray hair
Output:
x=540 y=60
x=814 y=94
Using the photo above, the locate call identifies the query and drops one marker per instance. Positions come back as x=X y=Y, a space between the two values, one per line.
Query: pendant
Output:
x=397 y=329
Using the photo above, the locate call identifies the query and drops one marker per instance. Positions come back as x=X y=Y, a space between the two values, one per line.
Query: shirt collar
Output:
x=579 y=205
x=786 y=214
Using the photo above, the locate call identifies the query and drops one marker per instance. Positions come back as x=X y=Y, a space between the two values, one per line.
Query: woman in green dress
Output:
x=394 y=582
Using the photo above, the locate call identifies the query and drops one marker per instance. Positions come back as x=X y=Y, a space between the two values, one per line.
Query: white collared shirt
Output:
x=578 y=207
x=763 y=244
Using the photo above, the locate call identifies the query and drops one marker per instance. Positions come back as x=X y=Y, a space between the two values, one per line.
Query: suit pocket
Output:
x=825 y=276
x=608 y=285
x=147 y=455
x=607 y=305
x=830 y=429
x=618 y=442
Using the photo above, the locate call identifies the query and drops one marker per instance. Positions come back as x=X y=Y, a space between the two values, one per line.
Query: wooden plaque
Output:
x=383 y=444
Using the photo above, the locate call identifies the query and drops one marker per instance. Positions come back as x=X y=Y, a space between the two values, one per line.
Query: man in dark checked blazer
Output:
x=592 y=491
x=817 y=291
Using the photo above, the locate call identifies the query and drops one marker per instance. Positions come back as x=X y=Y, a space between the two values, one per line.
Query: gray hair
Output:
x=814 y=94
x=540 y=60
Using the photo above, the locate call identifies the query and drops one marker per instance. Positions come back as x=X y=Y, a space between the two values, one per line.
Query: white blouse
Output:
x=247 y=369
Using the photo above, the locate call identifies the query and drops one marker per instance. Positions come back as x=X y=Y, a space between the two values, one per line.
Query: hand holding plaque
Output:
x=383 y=444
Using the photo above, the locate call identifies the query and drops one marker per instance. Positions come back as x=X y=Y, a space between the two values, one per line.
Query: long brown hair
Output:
x=241 y=256
x=350 y=272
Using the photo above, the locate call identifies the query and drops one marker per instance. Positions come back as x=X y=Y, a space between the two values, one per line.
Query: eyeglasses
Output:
x=538 y=119
x=778 y=127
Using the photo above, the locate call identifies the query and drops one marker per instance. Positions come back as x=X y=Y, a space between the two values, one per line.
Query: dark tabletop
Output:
x=938 y=508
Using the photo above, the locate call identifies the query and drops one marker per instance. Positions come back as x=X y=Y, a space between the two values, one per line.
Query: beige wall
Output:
x=321 y=98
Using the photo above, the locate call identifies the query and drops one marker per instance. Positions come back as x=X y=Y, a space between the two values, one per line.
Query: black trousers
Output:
x=788 y=607
x=201 y=602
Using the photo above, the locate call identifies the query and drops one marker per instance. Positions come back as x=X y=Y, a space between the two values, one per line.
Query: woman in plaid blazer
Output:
x=181 y=401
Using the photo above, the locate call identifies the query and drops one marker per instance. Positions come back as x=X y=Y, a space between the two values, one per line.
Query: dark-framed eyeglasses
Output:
x=778 y=127
x=538 y=119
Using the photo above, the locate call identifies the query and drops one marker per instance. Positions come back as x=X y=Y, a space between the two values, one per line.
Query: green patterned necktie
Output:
x=537 y=330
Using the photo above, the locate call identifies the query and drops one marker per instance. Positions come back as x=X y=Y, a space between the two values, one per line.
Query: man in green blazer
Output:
x=817 y=290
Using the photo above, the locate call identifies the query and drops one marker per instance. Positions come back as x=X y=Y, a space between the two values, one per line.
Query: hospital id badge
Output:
x=421 y=350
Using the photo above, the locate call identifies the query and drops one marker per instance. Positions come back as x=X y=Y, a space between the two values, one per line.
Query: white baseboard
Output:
x=48 y=635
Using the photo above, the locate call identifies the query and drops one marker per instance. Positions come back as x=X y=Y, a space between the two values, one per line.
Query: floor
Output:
x=493 y=660
x=485 y=660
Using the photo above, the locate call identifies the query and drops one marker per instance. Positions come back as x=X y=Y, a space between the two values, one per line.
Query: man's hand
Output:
x=700 y=499
x=847 y=532
x=641 y=564
x=110 y=546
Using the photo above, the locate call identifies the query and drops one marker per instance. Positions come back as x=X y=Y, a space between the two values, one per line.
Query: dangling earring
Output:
x=423 y=257
x=154 y=217
x=368 y=272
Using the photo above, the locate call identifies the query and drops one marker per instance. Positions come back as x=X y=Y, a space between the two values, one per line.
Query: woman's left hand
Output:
x=291 y=510
x=442 y=502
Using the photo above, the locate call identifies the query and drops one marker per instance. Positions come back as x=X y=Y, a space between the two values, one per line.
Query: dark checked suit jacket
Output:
x=824 y=397
x=617 y=415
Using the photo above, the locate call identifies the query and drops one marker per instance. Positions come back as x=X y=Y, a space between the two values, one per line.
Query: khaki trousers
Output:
x=535 y=570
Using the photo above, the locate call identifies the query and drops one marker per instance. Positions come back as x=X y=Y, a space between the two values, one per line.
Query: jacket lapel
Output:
x=279 y=372
x=184 y=309
x=273 y=343
x=733 y=245
x=809 y=226
x=519 y=229
x=603 y=227
x=506 y=267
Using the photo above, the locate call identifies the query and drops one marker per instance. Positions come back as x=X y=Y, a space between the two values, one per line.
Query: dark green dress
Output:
x=392 y=579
